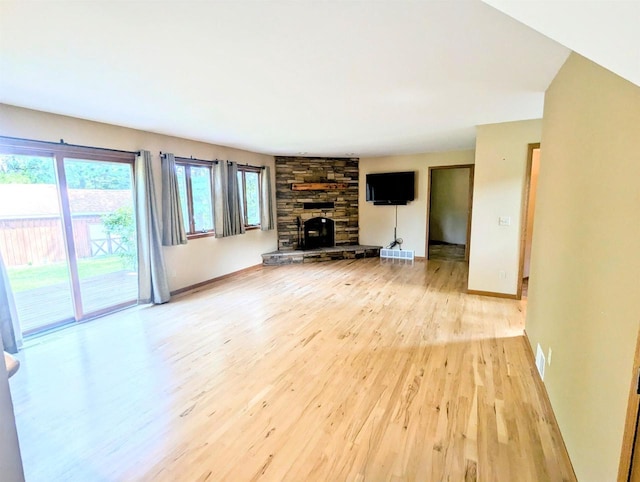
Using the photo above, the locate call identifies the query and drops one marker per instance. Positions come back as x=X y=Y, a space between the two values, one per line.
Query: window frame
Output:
x=244 y=168
x=187 y=164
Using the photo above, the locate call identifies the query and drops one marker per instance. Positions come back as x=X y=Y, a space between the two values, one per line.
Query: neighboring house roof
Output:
x=29 y=200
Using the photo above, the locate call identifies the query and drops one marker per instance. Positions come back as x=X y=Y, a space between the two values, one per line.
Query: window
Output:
x=194 y=184
x=249 y=187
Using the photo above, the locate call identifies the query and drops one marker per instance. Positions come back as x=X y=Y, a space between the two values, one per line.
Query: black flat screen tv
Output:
x=391 y=188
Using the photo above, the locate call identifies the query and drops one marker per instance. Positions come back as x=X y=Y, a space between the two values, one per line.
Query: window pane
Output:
x=201 y=193
x=253 y=198
x=241 y=191
x=32 y=240
x=182 y=189
x=104 y=230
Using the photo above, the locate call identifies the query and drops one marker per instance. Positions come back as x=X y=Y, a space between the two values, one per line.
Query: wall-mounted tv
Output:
x=391 y=188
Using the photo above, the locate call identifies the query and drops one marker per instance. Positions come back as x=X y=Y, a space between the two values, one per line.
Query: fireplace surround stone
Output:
x=340 y=205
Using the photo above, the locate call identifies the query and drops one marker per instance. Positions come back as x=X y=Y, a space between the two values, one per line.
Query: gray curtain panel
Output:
x=228 y=211
x=266 y=204
x=153 y=286
x=8 y=314
x=173 y=232
x=236 y=207
x=221 y=220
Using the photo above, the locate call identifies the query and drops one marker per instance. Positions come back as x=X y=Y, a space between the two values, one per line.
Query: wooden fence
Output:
x=39 y=240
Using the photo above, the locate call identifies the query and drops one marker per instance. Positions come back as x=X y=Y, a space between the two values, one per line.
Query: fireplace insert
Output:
x=319 y=233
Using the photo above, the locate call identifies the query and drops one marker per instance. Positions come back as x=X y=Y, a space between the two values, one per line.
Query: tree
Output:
x=121 y=224
x=16 y=169
x=80 y=174
x=14 y=178
x=97 y=175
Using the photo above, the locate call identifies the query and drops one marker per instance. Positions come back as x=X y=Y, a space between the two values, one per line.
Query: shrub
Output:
x=120 y=223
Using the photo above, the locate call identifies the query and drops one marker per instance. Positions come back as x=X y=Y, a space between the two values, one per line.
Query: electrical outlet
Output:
x=540 y=361
x=549 y=357
x=502 y=274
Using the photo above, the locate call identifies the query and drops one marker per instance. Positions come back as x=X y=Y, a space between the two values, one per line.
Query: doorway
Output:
x=449 y=212
x=67 y=233
x=629 y=468
x=528 y=209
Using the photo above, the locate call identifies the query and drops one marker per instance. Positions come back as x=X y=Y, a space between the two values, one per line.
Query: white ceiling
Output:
x=605 y=31
x=280 y=77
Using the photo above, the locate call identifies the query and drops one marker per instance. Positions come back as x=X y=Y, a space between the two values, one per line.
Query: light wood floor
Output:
x=358 y=370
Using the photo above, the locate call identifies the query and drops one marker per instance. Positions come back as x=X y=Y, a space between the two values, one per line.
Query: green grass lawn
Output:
x=30 y=277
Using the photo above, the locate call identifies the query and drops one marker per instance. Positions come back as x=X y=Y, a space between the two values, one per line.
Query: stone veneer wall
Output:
x=290 y=204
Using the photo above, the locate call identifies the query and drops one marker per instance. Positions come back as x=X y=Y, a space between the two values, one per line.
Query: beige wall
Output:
x=531 y=208
x=10 y=460
x=201 y=259
x=449 y=205
x=377 y=222
x=501 y=162
x=583 y=294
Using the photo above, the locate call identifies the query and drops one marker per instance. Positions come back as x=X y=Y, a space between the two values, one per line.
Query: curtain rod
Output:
x=191 y=158
x=248 y=165
x=215 y=161
x=62 y=143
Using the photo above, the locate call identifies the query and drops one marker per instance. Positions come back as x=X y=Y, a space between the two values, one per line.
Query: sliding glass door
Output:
x=104 y=233
x=67 y=235
x=32 y=241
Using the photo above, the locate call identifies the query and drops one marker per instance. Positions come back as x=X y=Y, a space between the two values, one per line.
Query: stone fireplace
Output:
x=317 y=209
x=308 y=188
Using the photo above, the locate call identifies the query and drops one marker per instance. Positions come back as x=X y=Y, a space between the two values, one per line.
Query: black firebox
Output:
x=319 y=233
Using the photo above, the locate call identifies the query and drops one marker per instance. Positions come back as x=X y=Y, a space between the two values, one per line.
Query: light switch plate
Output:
x=504 y=221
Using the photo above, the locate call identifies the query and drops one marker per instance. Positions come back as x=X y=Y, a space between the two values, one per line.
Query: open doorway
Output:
x=449 y=212
x=629 y=467
x=528 y=208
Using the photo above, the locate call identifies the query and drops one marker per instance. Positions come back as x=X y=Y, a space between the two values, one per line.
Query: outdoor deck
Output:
x=51 y=304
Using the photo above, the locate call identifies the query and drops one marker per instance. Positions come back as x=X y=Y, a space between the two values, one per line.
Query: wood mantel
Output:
x=318 y=186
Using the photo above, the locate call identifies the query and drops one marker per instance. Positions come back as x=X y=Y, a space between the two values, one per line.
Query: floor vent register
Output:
x=397 y=254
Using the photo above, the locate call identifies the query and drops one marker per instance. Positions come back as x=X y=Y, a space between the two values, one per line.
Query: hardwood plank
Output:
x=351 y=370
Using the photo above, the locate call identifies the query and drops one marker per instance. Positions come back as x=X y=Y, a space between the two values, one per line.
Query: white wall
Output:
x=201 y=259
x=583 y=294
x=501 y=161
x=377 y=222
x=449 y=205
x=10 y=460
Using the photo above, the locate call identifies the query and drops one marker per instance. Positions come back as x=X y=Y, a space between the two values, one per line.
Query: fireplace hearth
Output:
x=319 y=232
